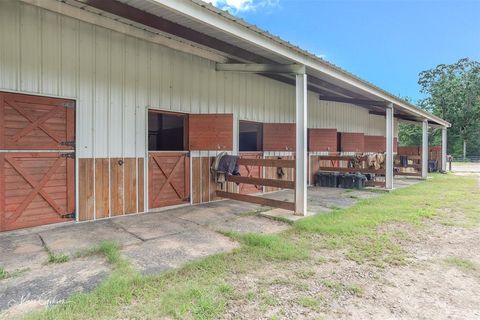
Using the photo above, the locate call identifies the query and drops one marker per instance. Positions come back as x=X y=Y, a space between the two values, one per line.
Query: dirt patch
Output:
x=439 y=279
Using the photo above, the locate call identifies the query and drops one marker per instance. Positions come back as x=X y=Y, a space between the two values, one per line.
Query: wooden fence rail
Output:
x=277 y=183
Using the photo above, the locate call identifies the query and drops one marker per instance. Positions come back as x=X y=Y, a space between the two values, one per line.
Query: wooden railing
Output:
x=363 y=167
x=277 y=183
x=417 y=165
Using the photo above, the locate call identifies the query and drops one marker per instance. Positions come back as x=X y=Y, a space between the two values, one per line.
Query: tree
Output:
x=453 y=93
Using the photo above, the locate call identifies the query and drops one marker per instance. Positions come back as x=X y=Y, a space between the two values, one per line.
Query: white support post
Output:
x=444 y=149
x=301 y=145
x=389 y=149
x=424 y=149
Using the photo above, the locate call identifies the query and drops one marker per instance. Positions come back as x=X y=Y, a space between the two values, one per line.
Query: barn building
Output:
x=115 y=107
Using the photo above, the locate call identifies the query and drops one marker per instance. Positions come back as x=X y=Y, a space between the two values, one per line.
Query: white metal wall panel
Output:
x=103 y=79
x=51 y=56
x=9 y=33
x=30 y=48
x=86 y=91
x=116 y=78
x=69 y=57
x=115 y=132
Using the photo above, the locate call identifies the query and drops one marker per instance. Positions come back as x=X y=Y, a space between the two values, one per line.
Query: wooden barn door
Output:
x=37 y=186
x=168 y=178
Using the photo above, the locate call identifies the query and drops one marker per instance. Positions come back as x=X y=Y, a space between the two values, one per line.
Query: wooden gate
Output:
x=168 y=178
x=37 y=186
x=251 y=172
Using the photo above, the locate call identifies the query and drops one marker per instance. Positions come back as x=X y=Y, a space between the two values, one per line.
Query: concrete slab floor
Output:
x=152 y=242
x=76 y=237
x=170 y=252
x=21 y=251
x=53 y=284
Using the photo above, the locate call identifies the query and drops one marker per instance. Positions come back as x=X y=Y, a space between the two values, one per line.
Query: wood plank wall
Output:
x=110 y=187
x=203 y=182
x=314 y=165
x=322 y=140
x=352 y=142
x=375 y=143
x=210 y=132
x=279 y=137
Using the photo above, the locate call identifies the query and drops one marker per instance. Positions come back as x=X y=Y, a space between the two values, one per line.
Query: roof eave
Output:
x=224 y=21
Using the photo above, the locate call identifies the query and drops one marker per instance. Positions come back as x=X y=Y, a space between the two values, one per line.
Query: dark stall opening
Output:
x=166 y=131
x=250 y=136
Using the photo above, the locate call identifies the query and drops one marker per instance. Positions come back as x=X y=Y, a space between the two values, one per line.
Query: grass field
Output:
x=204 y=289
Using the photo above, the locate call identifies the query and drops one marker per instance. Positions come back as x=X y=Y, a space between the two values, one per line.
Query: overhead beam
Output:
x=87 y=16
x=150 y=20
x=238 y=54
x=409 y=119
x=405 y=118
x=356 y=101
x=331 y=87
x=262 y=68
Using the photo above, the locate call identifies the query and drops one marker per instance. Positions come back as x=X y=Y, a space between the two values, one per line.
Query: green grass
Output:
x=202 y=289
x=310 y=303
x=270 y=247
x=4 y=274
x=340 y=288
x=462 y=264
x=57 y=257
x=356 y=228
x=109 y=249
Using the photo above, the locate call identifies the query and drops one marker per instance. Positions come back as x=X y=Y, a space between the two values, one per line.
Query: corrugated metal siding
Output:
x=342 y=116
x=115 y=78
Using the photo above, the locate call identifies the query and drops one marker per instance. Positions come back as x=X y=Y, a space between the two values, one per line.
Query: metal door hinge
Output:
x=70 y=105
x=69 y=155
x=72 y=215
x=68 y=143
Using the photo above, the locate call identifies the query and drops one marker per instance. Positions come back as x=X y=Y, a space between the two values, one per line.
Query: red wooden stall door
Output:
x=169 y=176
x=33 y=122
x=210 y=131
x=375 y=144
x=322 y=140
x=36 y=189
x=352 y=142
x=279 y=137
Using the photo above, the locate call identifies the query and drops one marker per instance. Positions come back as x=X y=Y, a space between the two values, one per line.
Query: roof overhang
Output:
x=222 y=37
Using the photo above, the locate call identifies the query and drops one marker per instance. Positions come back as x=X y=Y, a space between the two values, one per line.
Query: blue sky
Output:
x=385 y=42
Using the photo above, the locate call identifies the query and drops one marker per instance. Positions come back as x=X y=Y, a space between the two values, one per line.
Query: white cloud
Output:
x=235 y=6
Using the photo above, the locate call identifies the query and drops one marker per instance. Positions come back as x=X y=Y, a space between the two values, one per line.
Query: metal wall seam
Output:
x=167 y=79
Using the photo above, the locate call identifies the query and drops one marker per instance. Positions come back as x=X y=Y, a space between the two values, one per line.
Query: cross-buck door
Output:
x=36 y=123
x=37 y=160
x=168 y=178
x=36 y=188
